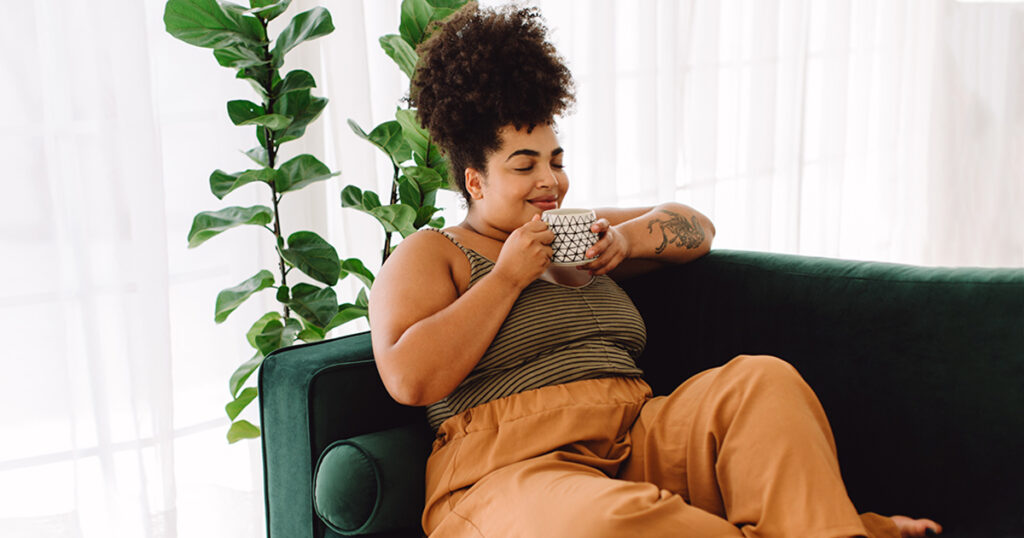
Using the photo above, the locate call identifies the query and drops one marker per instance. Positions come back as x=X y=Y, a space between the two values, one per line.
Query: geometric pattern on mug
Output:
x=572 y=237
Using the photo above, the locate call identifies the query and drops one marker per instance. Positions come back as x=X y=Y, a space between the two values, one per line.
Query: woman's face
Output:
x=524 y=177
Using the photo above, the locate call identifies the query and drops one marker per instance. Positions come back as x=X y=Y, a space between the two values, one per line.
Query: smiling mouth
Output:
x=545 y=203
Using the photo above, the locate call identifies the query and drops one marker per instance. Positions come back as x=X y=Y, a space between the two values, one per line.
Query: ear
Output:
x=475 y=183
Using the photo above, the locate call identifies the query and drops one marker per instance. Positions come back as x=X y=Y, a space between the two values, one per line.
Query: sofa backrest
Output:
x=921 y=370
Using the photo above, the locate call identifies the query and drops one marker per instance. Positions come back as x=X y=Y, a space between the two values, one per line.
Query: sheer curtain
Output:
x=887 y=130
x=874 y=129
x=115 y=376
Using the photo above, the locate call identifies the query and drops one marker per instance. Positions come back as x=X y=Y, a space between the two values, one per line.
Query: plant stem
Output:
x=394 y=200
x=268 y=133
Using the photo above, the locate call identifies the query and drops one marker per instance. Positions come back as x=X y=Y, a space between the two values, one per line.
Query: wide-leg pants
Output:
x=740 y=450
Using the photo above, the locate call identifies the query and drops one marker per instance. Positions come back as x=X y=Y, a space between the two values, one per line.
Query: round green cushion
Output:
x=374 y=482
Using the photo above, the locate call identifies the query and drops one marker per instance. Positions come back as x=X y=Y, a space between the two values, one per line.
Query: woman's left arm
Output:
x=637 y=240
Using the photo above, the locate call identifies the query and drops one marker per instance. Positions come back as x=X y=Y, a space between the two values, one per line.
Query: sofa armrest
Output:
x=312 y=395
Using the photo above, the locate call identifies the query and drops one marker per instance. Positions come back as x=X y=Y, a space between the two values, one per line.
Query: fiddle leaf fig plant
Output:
x=284 y=106
x=282 y=109
x=419 y=169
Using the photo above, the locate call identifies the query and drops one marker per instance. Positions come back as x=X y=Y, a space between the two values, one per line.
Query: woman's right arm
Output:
x=427 y=338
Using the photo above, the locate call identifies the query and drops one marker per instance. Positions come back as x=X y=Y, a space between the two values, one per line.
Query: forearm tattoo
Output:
x=676 y=230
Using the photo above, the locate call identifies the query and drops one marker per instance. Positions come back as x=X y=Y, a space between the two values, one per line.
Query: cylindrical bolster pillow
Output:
x=374 y=482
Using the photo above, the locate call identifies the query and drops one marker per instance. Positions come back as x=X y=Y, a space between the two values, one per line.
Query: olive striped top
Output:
x=553 y=334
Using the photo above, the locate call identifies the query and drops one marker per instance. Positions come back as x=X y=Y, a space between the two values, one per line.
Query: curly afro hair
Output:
x=483 y=69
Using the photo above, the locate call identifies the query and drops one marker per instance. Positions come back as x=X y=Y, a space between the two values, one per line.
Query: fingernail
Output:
x=930 y=532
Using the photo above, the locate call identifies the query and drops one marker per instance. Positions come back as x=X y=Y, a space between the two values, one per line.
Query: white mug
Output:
x=572 y=234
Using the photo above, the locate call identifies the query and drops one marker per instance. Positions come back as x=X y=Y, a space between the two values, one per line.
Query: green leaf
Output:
x=238 y=404
x=396 y=218
x=311 y=333
x=436 y=223
x=273 y=121
x=282 y=295
x=303 y=27
x=355 y=267
x=257 y=76
x=276 y=335
x=239 y=56
x=257 y=327
x=354 y=197
x=362 y=300
x=370 y=200
x=243 y=372
x=249 y=24
x=409 y=193
x=416 y=18
x=205 y=23
x=222 y=183
x=242 y=429
x=240 y=110
x=211 y=223
x=346 y=312
x=388 y=137
x=399 y=50
x=261 y=137
x=313 y=256
x=296 y=80
x=269 y=9
x=423 y=215
x=259 y=156
x=244 y=112
x=433 y=160
x=300 y=171
x=315 y=305
x=303 y=108
x=414 y=21
x=230 y=299
x=450 y=4
x=426 y=178
x=417 y=137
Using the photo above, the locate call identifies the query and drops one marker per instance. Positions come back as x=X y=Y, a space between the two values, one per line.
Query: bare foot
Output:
x=915 y=527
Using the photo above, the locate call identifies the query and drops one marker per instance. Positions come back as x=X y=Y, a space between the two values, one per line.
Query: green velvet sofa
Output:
x=921 y=372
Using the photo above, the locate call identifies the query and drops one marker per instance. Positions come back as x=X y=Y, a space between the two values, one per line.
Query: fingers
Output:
x=608 y=255
x=610 y=249
x=540 y=229
x=910 y=527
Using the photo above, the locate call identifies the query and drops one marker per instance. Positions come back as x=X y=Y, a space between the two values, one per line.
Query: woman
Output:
x=544 y=426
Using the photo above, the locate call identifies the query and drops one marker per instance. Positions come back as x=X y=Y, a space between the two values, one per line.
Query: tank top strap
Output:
x=479 y=265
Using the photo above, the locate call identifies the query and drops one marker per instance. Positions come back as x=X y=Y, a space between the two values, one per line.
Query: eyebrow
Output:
x=534 y=153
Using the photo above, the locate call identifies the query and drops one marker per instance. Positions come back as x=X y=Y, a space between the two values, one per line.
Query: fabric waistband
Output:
x=544 y=402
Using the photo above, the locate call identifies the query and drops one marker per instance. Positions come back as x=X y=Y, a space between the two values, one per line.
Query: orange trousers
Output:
x=742 y=450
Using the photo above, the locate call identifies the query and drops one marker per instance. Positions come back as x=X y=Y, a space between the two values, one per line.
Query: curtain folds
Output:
x=878 y=129
x=859 y=129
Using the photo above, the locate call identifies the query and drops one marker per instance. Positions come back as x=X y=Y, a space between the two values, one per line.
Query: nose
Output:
x=548 y=178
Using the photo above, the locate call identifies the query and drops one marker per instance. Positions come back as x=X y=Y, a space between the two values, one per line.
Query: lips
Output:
x=545 y=203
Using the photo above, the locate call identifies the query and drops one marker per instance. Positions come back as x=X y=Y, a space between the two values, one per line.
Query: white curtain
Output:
x=868 y=129
x=888 y=130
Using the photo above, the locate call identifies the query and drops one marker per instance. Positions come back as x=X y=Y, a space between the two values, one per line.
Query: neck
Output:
x=477 y=226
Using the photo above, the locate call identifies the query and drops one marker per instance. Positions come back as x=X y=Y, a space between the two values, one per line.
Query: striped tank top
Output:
x=554 y=334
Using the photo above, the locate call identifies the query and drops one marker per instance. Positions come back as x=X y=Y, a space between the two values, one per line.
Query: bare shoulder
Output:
x=416 y=281
x=426 y=252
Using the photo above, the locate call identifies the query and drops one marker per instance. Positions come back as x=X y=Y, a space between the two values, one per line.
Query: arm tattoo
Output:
x=676 y=230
